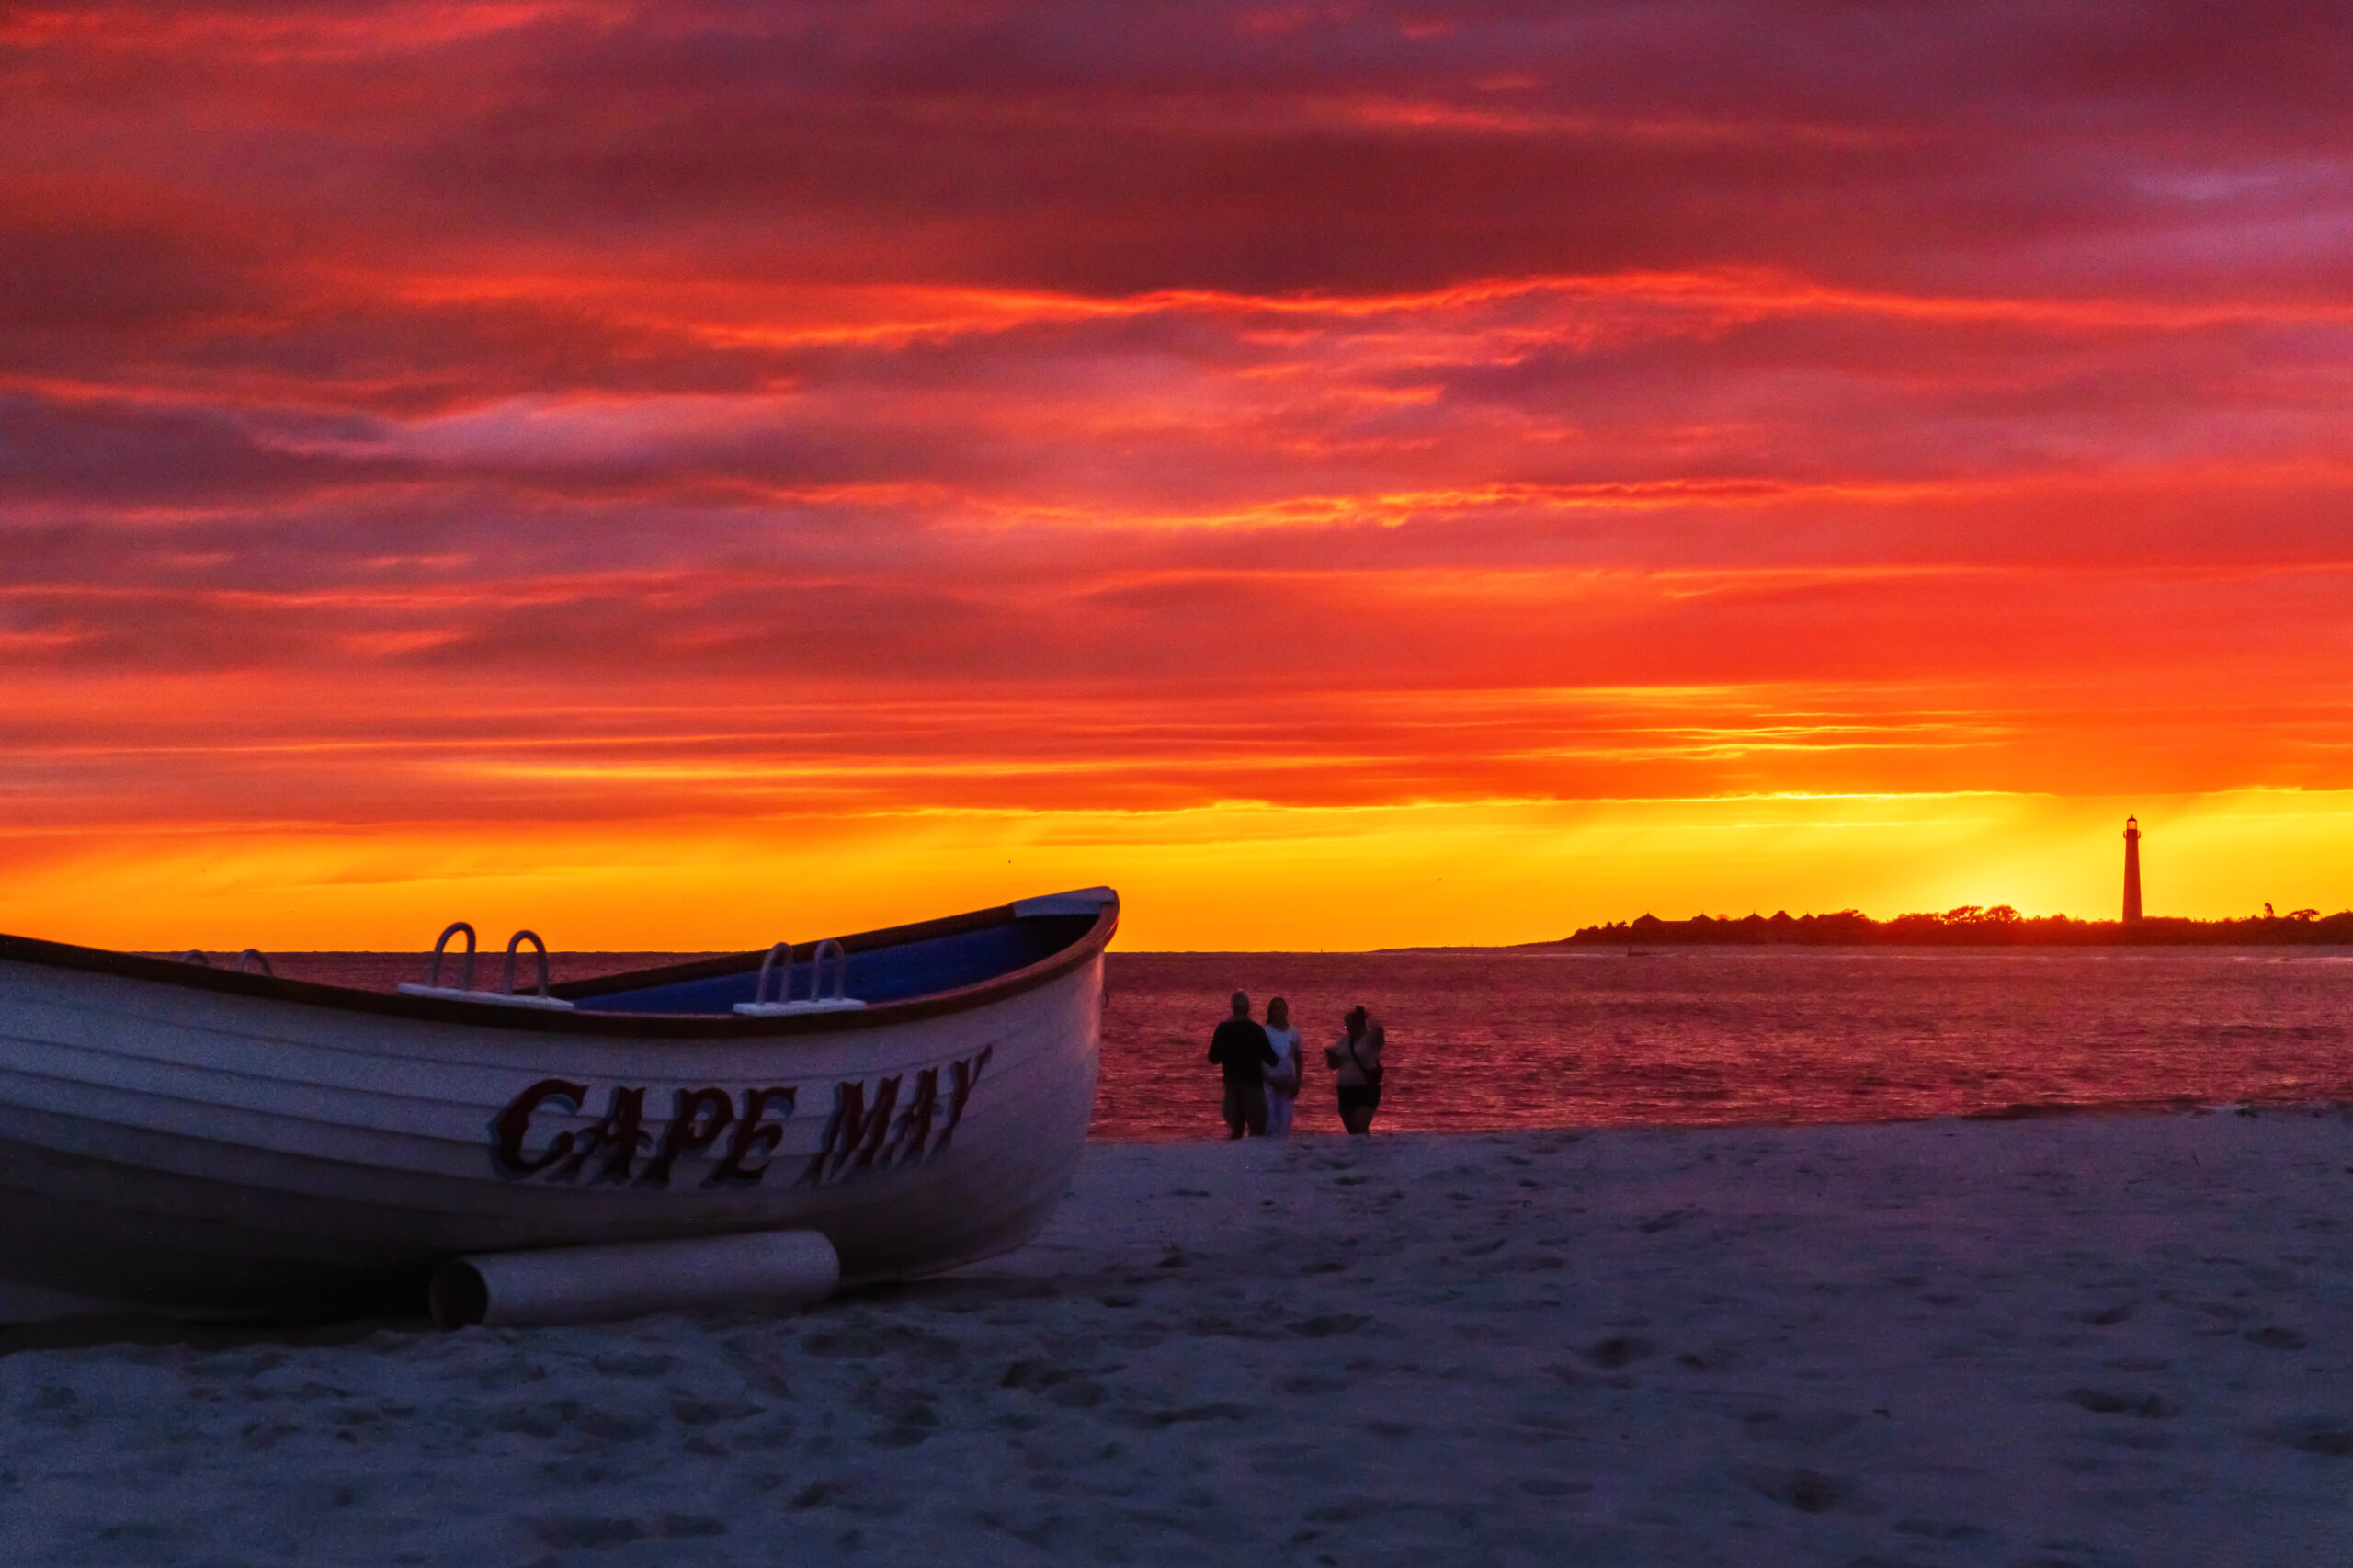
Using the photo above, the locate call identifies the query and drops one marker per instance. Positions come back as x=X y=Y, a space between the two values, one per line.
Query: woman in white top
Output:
x=1282 y=1078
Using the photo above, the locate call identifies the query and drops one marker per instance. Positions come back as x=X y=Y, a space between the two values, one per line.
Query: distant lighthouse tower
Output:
x=2131 y=870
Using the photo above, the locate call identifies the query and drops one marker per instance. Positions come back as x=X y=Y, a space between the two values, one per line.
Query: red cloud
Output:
x=711 y=409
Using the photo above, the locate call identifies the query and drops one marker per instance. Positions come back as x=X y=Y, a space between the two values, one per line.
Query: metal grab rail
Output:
x=779 y=962
x=246 y=961
x=466 y=975
x=817 y=971
x=506 y=978
x=505 y=996
x=760 y=986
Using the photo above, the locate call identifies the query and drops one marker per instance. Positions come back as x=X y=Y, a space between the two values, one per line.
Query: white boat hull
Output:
x=195 y=1149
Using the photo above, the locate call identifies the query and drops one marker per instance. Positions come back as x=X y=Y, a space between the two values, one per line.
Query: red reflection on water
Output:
x=1487 y=1041
x=1478 y=1041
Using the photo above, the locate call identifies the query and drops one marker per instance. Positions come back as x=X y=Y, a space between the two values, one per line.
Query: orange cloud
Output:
x=636 y=456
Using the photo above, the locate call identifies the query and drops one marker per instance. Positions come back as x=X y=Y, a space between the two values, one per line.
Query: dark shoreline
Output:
x=1971 y=927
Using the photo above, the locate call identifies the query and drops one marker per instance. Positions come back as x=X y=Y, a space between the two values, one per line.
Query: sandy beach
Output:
x=2078 y=1341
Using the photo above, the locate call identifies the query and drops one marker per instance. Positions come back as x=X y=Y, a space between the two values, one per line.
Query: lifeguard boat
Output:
x=206 y=1140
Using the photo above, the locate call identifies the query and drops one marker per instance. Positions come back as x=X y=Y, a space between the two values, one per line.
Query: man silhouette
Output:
x=1240 y=1046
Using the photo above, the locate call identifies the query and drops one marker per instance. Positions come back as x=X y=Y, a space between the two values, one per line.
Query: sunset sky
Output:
x=689 y=475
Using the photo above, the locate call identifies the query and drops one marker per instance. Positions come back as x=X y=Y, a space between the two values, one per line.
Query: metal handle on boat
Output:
x=252 y=956
x=195 y=956
x=466 y=980
x=817 y=971
x=780 y=963
x=507 y=980
x=761 y=987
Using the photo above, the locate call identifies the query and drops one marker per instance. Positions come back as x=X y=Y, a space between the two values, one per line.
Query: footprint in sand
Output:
x=2101 y=1401
x=1807 y=1491
x=1618 y=1351
x=2329 y=1436
x=1539 y=1487
x=1806 y=1428
x=2273 y=1336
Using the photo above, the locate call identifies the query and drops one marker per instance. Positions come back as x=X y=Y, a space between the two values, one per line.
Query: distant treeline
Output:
x=1971 y=926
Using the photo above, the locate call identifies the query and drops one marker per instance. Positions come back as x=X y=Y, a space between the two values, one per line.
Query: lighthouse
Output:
x=2131 y=870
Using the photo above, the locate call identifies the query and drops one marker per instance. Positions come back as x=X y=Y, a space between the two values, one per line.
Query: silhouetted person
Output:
x=1356 y=1070
x=1283 y=1079
x=1240 y=1046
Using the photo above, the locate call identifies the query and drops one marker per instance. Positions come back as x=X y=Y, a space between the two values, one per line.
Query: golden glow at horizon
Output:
x=1228 y=876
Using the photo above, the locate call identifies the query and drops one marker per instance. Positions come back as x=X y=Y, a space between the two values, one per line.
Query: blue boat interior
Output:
x=895 y=973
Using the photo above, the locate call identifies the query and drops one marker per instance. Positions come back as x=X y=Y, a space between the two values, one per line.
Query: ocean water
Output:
x=1498 y=1040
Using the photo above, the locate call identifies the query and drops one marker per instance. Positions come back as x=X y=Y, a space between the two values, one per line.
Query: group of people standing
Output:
x=1265 y=1069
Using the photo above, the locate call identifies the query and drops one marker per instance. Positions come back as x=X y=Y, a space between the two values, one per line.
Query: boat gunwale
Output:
x=38 y=953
